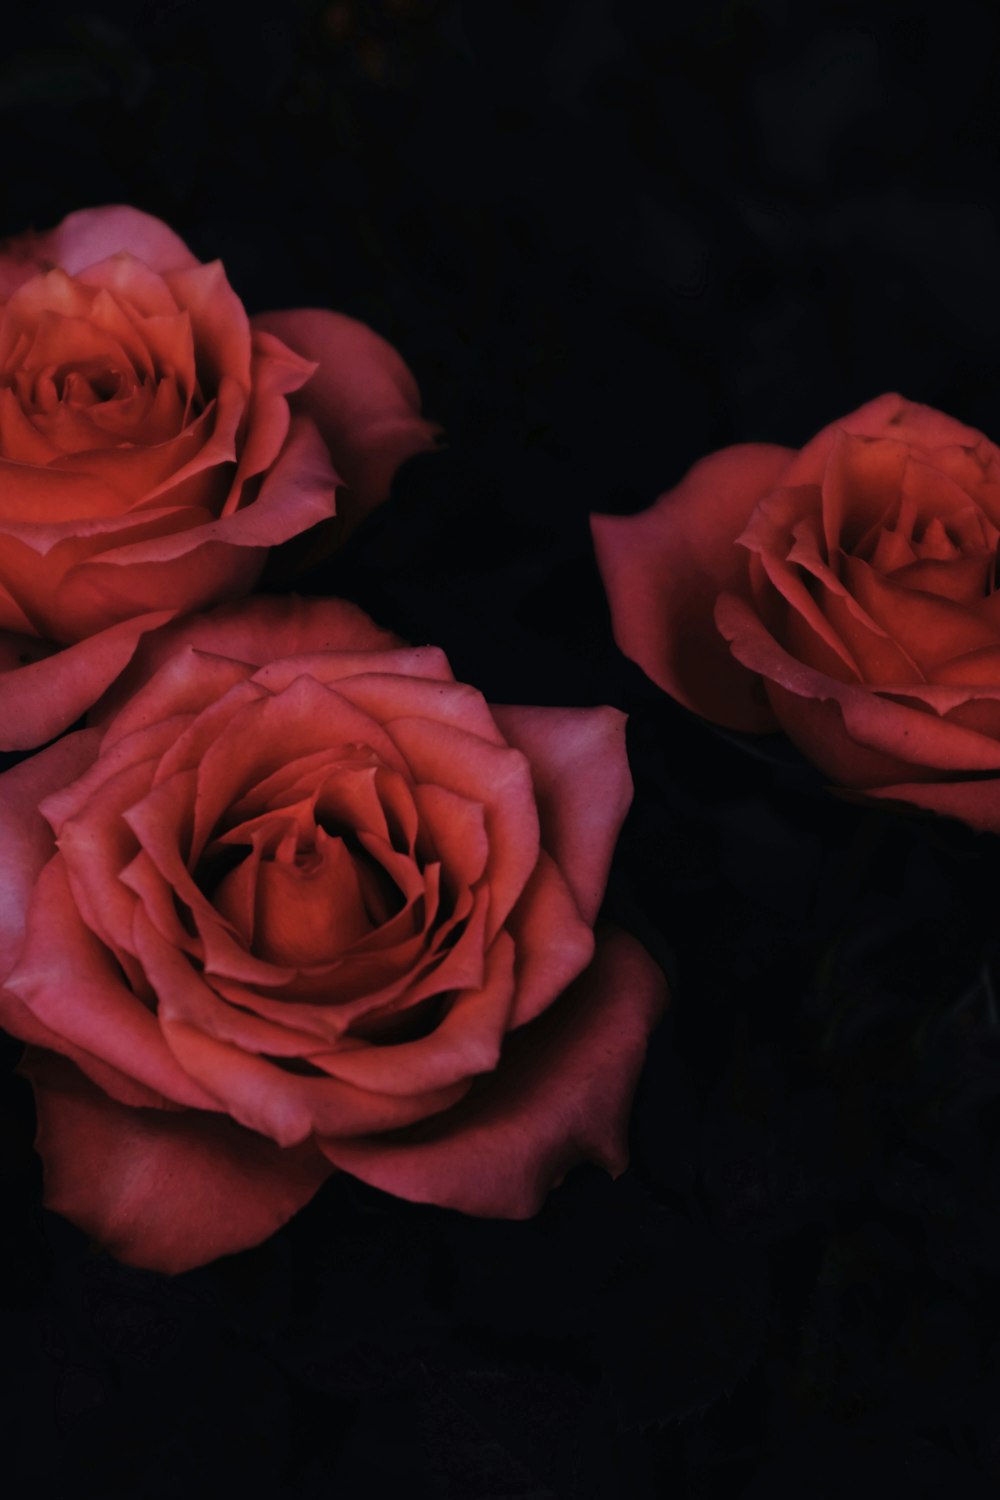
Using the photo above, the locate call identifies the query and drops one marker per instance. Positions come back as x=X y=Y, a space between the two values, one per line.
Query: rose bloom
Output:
x=298 y=902
x=155 y=442
x=845 y=593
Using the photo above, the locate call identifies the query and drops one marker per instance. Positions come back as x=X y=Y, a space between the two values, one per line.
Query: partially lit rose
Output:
x=301 y=902
x=846 y=593
x=155 y=442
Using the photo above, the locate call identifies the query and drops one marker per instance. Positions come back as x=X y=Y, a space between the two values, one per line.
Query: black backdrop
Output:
x=608 y=237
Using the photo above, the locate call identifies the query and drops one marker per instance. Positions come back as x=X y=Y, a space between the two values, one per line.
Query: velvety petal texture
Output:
x=564 y=1093
x=362 y=398
x=297 y=901
x=664 y=568
x=155 y=445
x=161 y=1189
x=845 y=593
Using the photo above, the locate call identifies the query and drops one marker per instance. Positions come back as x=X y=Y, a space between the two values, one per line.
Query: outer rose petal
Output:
x=43 y=698
x=256 y=631
x=162 y=1190
x=560 y=1095
x=363 y=399
x=22 y=1023
x=581 y=777
x=70 y=982
x=106 y=590
x=888 y=416
x=26 y=842
x=91 y=235
x=974 y=802
x=664 y=568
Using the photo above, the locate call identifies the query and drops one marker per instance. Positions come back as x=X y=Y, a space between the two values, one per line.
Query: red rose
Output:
x=303 y=902
x=149 y=453
x=846 y=593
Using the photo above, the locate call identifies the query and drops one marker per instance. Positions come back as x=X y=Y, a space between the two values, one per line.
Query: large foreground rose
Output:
x=155 y=443
x=846 y=593
x=303 y=902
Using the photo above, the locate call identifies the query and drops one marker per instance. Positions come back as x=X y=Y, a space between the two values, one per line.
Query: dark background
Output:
x=607 y=237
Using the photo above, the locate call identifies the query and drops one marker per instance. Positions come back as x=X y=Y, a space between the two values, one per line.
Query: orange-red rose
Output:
x=846 y=594
x=155 y=442
x=302 y=902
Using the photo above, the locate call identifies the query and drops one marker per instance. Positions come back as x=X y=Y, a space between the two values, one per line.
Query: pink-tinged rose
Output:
x=845 y=593
x=296 y=901
x=155 y=443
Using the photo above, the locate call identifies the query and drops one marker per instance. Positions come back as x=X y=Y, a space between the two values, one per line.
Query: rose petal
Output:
x=554 y=943
x=465 y=1042
x=218 y=320
x=188 y=682
x=307 y=917
x=499 y=779
x=141 y=288
x=864 y=642
x=94 y=234
x=22 y=1023
x=338 y=790
x=146 y=882
x=976 y=803
x=964 y=581
x=363 y=399
x=71 y=983
x=26 y=842
x=192 y=567
x=145 y=743
x=163 y=1190
x=776 y=536
x=106 y=589
x=878 y=657
x=258 y=1093
x=88 y=236
x=861 y=483
x=61 y=497
x=254 y=631
x=331 y=666
x=889 y=416
x=929 y=628
x=287 y=1106
x=265 y=734
x=976 y=668
x=363 y=985
x=44 y=697
x=561 y=1095
x=162 y=824
x=664 y=567
x=579 y=768
x=96 y=846
x=453 y=829
x=837 y=723
x=387 y=696
x=276 y=372
x=146 y=477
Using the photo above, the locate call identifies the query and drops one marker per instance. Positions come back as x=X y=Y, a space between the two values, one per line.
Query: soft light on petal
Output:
x=159 y=1189
x=560 y=1096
